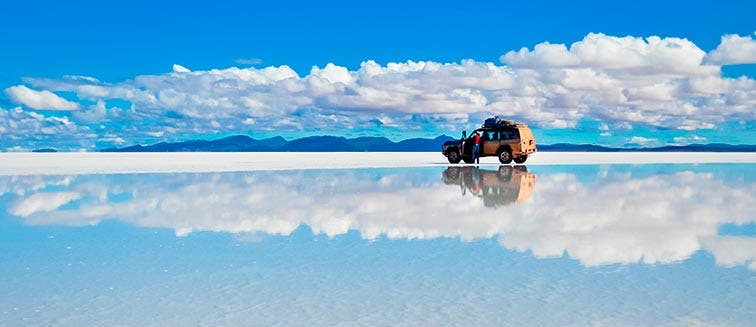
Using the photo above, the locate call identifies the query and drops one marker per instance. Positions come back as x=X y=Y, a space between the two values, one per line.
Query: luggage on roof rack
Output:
x=496 y=121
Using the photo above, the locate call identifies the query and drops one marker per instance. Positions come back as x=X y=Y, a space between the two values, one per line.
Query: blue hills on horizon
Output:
x=244 y=143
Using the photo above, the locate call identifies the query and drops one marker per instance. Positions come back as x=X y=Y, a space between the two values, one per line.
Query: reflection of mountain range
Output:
x=244 y=143
x=613 y=217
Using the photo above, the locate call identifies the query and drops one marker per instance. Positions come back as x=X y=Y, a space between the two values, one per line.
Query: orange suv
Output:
x=505 y=139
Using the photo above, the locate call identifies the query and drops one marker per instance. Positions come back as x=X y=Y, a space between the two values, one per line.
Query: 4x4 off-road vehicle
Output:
x=502 y=138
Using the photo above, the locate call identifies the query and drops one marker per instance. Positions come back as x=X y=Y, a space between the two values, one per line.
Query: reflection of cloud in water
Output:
x=733 y=250
x=660 y=218
x=615 y=219
x=42 y=202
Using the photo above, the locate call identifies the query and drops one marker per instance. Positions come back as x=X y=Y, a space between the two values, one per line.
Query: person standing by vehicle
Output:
x=476 y=148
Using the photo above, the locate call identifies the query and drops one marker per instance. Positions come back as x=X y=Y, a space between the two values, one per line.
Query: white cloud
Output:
x=734 y=49
x=627 y=55
x=42 y=202
x=36 y=130
x=41 y=100
x=681 y=140
x=643 y=141
x=543 y=54
x=156 y=134
x=180 y=69
x=616 y=218
x=616 y=81
x=733 y=250
x=110 y=138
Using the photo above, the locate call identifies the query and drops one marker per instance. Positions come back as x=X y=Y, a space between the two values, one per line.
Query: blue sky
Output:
x=132 y=47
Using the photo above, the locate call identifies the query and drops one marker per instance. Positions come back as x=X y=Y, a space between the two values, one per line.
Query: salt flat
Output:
x=578 y=244
x=112 y=163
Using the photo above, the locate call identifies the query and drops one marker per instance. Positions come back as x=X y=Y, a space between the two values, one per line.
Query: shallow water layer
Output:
x=540 y=245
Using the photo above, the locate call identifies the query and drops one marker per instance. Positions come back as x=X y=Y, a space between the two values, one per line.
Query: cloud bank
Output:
x=616 y=218
x=619 y=82
x=43 y=100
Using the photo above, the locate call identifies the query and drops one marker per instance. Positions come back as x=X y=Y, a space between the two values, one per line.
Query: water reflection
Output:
x=500 y=187
x=598 y=216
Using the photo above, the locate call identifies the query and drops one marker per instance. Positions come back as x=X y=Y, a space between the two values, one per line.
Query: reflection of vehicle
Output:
x=497 y=187
x=505 y=139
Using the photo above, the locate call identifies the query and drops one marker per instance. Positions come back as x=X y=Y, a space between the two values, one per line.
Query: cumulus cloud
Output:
x=734 y=49
x=615 y=218
x=689 y=140
x=643 y=141
x=625 y=55
x=35 y=130
x=180 y=69
x=42 y=100
x=616 y=81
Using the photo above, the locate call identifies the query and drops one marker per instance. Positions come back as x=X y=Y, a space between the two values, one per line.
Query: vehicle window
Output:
x=510 y=134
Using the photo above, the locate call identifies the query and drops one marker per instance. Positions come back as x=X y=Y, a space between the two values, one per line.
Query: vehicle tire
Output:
x=453 y=157
x=505 y=156
x=520 y=159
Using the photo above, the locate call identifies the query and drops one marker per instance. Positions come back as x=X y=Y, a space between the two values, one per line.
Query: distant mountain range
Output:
x=244 y=143
x=711 y=147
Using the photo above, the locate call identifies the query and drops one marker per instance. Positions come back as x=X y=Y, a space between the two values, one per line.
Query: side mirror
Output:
x=464 y=134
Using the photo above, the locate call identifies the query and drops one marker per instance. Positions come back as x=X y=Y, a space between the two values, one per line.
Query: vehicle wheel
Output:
x=505 y=156
x=520 y=159
x=453 y=157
